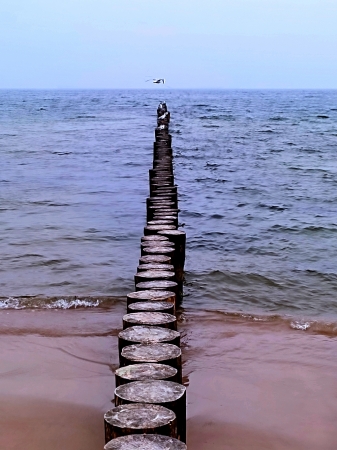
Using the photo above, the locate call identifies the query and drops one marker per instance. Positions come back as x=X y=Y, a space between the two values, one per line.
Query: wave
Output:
x=50 y=303
x=304 y=229
x=277 y=322
x=236 y=278
x=227 y=117
x=278 y=118
x=85 y=117
x=297 y=292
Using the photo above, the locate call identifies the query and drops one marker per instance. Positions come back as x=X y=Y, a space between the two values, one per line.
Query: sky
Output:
x=250 y=44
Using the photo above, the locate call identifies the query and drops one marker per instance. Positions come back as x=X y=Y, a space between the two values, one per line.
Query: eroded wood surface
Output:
x=156 y=391
x=154 y=237
x=159 y=284
x=164 y=307
x=154 y=352
x=158 y=250
x=153 y=266
x=147 y=334
x=155 y=258
x=151 y=295
x=150 y=275
x=154 y=243
x=153 y=229
x=145 y=372
x=150 y=318
x=159 y=222
x=139 y=416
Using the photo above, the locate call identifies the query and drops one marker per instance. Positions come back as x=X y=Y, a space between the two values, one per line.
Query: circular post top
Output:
x=151 y=306
x=155 y=266
x=166 y=216
x=158 y=284
x=139 y=416
x=156 y=391
x=159 y=227
x=155 y=275
x=157 y=258
x=147 y=334
x=154 y=242
x=146 y=371
x=159 y=222
x=157 y=352
x=152 y=295
x=154 y=237
x=171 y=233
x=157 y=250
x=149 y=318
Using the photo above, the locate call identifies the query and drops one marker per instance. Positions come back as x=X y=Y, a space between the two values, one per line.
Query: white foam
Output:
x=11 y=303
x=300 y=325
x=67 y=304
x=62 y=303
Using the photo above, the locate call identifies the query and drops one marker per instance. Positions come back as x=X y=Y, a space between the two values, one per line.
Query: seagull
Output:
x=157 y=80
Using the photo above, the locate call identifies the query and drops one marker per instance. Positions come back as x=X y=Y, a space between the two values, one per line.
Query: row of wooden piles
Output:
x=150 y=399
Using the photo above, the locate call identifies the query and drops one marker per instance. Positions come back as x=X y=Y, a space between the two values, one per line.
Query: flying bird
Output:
x=157 y=80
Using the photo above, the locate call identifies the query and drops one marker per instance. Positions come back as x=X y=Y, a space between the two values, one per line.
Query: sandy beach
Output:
x=250 y=384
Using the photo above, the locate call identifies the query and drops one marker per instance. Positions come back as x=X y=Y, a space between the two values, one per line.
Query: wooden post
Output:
x=152 y=275
x=154 y=237
x=145 y=372
x=157 y=207
x=154 y=243
x=138 y=418
x=151 y=295
x=153 y=229
x=155 y=319
x=154 y=266
x=155 y=259
x=163 y=216
x=178 y=238
x=160 y=353
x=164 y=307
x=143 y=334
x=159 y=250
x=162 y=222
x=158 y=285
x=166 y=393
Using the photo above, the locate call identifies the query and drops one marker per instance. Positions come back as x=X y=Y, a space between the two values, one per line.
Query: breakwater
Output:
x=150 y=399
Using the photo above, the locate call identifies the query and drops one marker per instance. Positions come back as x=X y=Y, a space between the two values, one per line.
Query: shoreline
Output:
x=320 y=324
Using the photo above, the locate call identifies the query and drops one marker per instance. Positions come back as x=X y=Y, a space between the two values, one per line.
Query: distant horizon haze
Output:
x=252 y=44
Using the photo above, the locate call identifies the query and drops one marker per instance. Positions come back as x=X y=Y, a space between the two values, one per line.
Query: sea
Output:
x=257 y=179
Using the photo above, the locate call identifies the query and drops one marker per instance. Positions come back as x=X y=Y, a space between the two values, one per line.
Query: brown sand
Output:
x=251 y=385
x=56 y=377
x=259 y=386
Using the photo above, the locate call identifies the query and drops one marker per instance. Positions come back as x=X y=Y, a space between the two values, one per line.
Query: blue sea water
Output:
x=257 y=176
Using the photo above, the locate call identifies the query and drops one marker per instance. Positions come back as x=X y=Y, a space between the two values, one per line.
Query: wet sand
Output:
x=56 y=377
x=252 y=384
x=259 y=385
